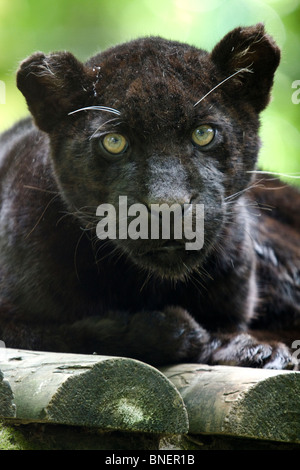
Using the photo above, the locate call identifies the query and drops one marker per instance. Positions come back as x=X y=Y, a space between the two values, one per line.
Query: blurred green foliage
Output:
x=85 y=27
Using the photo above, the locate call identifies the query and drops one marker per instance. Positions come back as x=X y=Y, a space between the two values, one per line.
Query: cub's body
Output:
x=160 y=123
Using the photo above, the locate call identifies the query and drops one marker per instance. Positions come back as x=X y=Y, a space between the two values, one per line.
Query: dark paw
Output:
x=245 y=351
x=166 y=337
x=156 y=337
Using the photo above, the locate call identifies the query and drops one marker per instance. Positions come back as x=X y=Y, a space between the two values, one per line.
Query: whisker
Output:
x=41 y=216
x=101 y=125
x=27 y=186
x=96 y=108
x=221 y=83
x=286 y=175
x=147 y=279
x=100 y=246
x=196 y=278
x=235 y=195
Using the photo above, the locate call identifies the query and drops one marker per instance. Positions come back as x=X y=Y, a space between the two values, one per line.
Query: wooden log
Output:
x=7 y=406
x=109 y=393
x=240 y=402
x=62 y=437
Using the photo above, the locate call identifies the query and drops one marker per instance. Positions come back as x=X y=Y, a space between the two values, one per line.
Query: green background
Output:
x=85 y=27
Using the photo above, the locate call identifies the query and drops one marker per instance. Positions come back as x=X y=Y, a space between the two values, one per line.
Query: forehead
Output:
x=149 y=54
x=152 y=79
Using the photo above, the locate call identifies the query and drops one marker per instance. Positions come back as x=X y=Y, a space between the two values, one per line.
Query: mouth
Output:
x=168 y=260
x=167 y=246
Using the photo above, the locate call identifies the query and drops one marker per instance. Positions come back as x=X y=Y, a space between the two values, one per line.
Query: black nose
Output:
x=157 y=204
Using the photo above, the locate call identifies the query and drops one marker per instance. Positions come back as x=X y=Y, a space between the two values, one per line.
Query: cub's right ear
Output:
x=53 y=86
x=255 y=53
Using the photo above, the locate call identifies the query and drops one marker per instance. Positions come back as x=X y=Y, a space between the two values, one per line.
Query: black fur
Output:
x=63 y=289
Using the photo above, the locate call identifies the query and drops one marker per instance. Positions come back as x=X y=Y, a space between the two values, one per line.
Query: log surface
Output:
x=109 y=393
x=240 y=402
x=121 y=394
x=7 y=406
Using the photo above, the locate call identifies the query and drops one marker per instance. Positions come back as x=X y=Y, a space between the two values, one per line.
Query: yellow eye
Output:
x=203 y=135
x=115 y=143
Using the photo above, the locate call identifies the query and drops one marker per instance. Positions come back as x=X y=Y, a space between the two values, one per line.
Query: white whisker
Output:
x=101 y=125
x=285 y=175
x=235 y=195
x=97 y=108
x=221 y=83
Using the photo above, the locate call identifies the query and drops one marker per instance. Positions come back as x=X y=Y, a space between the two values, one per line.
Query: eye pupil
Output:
x=203 y=135
x=115 y=143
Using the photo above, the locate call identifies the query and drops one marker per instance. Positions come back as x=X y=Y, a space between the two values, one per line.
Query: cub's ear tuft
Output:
x=256 y=54
x=53 y=86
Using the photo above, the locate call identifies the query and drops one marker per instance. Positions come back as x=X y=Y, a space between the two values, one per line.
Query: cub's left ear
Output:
x=53 y=86
x=252 y=49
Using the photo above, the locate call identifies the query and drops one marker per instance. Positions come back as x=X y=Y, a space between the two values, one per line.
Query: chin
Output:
x=168 y=261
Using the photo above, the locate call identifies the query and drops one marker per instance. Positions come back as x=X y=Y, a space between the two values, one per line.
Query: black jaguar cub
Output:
x=154 y=122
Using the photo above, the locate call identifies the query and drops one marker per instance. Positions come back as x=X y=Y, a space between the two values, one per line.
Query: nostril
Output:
x=159 y=203
x=194 y=199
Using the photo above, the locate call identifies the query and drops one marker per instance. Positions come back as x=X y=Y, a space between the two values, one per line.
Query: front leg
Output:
x=173 y=336
x=156 y=337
